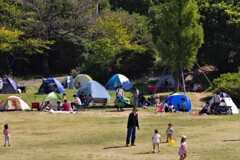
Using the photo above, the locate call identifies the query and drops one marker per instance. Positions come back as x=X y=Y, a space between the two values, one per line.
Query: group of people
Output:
x=133 y=123
x=167 y=106
x=80 y=102
x=208 y=108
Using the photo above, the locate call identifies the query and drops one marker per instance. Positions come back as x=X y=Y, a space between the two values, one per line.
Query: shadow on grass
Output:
x=206 y=99
x=111 y=147
x=231 y=140
x=149 y=152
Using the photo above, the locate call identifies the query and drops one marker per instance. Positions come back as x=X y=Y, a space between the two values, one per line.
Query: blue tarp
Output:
x=95 y=89
x=51 y=85
x=176 y=99
x=118 y=80
x=9 y=86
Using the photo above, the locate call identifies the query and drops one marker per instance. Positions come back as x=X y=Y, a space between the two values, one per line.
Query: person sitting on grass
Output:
x=205 y=109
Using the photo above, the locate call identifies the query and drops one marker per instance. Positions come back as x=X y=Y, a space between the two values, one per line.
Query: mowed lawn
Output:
x=100 y=134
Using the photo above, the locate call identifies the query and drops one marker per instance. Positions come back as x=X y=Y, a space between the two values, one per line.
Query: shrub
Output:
x=230 y=84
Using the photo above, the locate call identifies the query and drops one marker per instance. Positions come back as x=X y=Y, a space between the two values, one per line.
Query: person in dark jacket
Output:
x=131 y=127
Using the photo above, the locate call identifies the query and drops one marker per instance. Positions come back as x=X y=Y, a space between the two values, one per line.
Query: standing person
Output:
x=135 y=95
x=6 y=134
x=119 y=92
x=131 y=127
x=1 y=85
x=169 y=132
x=217 y=100
x=183 y=148
x=156 y=140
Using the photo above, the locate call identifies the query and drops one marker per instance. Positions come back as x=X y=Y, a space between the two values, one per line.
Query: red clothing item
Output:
x=66 y=106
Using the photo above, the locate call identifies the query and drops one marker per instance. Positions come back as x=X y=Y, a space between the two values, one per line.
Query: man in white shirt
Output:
x=76 y=102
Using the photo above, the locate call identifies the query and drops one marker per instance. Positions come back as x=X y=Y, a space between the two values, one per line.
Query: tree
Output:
x=53 y=20
x=222 y=31
x=181 y=35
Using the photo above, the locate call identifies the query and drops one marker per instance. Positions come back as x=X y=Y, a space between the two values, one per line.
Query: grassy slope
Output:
x=100 y=134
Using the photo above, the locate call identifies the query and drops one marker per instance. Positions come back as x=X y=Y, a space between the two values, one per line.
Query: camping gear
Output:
x=230 y=107
x=51 y=85
x=118 y=80
x=52 y=98
x=176 y=99
x=96 y=90
x=9 y=85
x=80 y=80
x=35 y=105
x=13 y=103
x=122 y=102
x=67 y=82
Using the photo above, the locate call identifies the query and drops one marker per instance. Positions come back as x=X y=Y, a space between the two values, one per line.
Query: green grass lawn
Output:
x=99 y=133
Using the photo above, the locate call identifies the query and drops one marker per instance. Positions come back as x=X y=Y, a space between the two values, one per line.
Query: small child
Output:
x=183 y=148
x=156 y=140
x=169 y=132
x=6 y=133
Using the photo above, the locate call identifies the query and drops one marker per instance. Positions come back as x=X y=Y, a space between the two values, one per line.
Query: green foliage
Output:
x=114 y=35
x=8 y=39
x=228 y=83
x=221 y=24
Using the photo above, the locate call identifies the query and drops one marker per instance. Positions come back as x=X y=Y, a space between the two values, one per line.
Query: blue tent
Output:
x=9 y=86
x=176 y=99
x=97 y=91
x=67 y=82
x=51 y=85
x=118 y=80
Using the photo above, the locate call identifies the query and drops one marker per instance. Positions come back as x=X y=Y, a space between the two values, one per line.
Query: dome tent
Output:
x=14 y=103
x=118 y=80
x=9 y=86
x=176 y=100
x=51 y=85
x=97 y=91
x=53 y=98
x=81 y=78
x=228 y=100
x=67 y=82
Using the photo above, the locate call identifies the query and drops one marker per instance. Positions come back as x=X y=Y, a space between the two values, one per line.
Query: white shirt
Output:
x=77 y=101
x=169 y=130
x=120 y=92
x=156 y=138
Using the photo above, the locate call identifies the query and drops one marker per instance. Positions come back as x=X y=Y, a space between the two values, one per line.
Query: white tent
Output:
x=229 y=102
x=14 y=103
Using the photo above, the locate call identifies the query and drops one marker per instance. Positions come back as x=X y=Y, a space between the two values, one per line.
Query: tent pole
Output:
x=204 y=73
x=184 y=90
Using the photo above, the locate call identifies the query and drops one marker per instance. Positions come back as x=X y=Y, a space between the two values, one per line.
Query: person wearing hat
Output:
x=131 y=127
x=183 y=148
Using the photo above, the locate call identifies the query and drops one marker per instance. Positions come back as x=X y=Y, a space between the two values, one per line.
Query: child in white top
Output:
x=156 y=140
x=6 y=134
x=169 y=132
x=183 y=148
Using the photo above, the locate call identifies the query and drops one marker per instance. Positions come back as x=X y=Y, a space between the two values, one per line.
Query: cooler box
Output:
x=35 y=105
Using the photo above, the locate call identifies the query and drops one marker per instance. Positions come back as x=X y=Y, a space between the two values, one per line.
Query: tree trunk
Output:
x=176 y=79
x=45 y=66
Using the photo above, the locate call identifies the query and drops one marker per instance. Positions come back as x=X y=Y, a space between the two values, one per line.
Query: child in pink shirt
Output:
x=183 y=148
x=6 y=133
